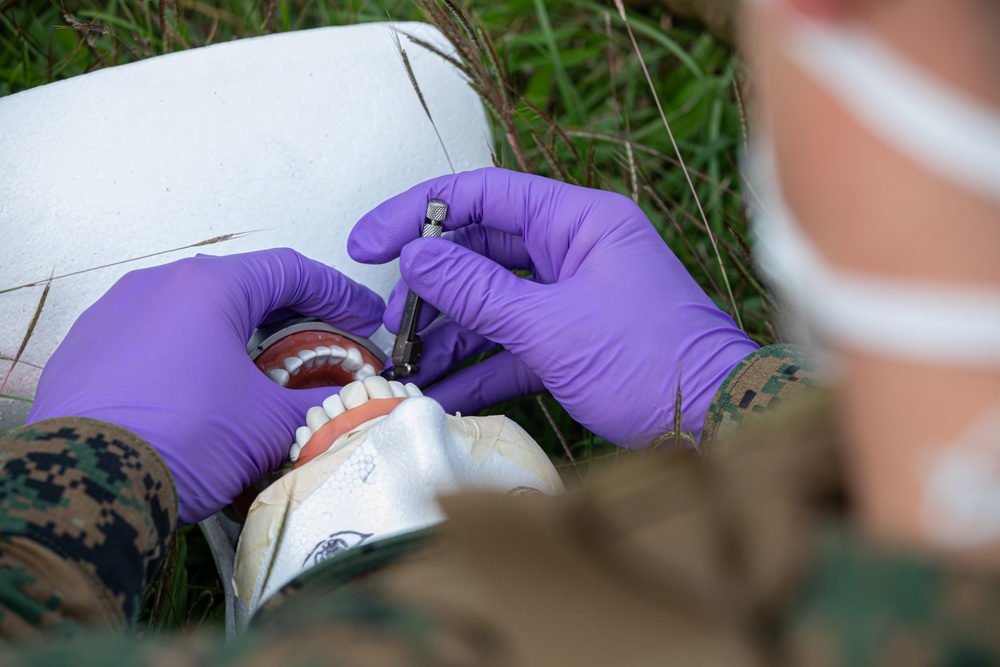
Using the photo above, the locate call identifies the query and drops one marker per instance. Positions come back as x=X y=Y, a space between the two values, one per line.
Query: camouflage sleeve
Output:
x=759 y=384
x=85 y=510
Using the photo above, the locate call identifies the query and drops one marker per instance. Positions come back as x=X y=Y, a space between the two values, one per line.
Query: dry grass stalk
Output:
x=211 y=241
x=28 y=333
x=420 y=95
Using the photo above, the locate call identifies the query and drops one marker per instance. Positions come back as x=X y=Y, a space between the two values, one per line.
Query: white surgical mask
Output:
x=948 y=134
x=932 y=124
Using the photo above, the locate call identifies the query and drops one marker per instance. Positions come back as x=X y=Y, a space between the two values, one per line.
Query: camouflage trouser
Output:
x=737 y=556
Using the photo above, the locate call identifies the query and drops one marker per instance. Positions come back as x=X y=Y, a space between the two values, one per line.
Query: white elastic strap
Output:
x=941 y=128
x=909 y=319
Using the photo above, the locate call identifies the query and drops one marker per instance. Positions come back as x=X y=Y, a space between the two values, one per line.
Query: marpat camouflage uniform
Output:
x=740 y=557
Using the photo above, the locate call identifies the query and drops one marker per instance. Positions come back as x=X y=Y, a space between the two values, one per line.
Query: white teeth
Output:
x=292 y=365
x=316 y=417
x=377 y=387
x=353 y=362
x=337 y=354
x=353 y=395
x=333 y=406
x=307 y=357
x=397 y=389
x=322 y=354
x=279 y=376
x=302 y=435
x=365 y=372
x=413 y=390
x=294 y=451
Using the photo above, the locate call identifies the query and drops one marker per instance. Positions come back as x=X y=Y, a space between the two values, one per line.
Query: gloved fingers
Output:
x=446 y=343
x=473 y=290
x=500 y=378
x=504 y=249
x=277 y=316
x=283 y=278
x=393 y=314
x=546 y=213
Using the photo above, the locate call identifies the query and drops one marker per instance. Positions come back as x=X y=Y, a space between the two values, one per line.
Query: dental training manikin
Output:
x=368 y=465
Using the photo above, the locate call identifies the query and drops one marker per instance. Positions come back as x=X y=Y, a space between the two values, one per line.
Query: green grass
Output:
x=568 y=99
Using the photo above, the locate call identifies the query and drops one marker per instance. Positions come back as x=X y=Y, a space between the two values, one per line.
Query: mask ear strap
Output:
x=943 y=129
x=920 y=321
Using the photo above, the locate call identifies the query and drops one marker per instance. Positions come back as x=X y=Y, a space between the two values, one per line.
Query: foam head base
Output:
x=294 y=135
x=378 y=480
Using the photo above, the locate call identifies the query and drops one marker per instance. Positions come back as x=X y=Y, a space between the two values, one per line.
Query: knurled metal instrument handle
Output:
x=408 y=346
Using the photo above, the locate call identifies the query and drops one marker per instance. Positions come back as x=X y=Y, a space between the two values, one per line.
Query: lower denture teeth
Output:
x=413 y=390
x=377 y=387
x=307 y=357
x=353 y=395
x=333 y=406
x=397 y=389
x=292 y=365
x=316 y=417
x=302 y=435
x=294 y=451
x=353 y=361
x=279 y=376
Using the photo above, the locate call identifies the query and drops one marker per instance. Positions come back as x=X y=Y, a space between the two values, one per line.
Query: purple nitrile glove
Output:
x=163 y=354
x=612 y=323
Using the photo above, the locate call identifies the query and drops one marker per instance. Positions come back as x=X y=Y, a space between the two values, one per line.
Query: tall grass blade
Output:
x=571 y=98
x=559 y=433
x=680 y=158
x=27 y=334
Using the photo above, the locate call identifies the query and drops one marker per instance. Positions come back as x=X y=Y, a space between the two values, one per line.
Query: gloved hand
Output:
x=163 y=354
x=612 y=324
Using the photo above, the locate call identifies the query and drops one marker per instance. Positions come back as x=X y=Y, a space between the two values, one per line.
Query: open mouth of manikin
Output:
x=308 y=359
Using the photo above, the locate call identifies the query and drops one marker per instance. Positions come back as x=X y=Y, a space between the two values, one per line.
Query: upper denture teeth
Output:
x=353 y=395
x=365 y=372
x=377 y=387
x=397 y=389
x=353 y=362
x=302 y=435
x=322 y=354
x=292 y=365
x=337 y=354
x=316 y=417
x=413 y=390
x=333 y=406
x=279 y=376
x=307 y=357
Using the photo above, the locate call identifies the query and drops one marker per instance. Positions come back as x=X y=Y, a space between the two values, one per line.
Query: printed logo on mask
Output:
x=334 y=544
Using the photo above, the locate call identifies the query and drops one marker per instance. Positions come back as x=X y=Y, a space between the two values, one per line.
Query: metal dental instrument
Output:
x=406 y=351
